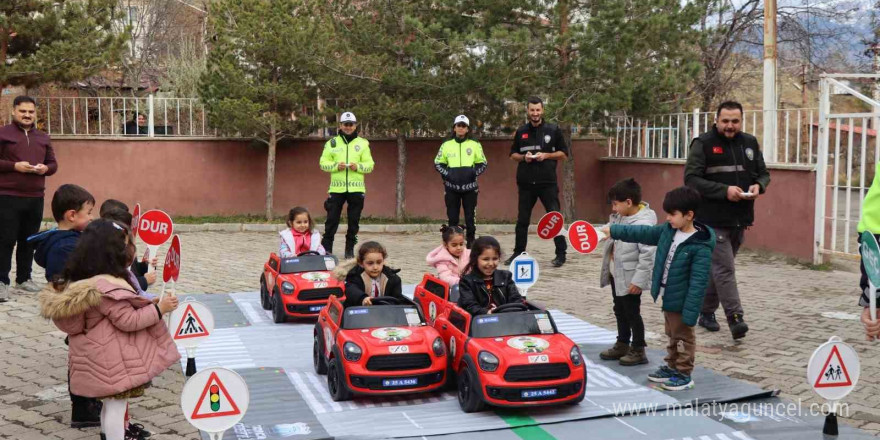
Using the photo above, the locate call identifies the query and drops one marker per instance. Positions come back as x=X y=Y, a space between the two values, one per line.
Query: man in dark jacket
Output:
x=727 y=167
x=26 y=158
x=537 y=146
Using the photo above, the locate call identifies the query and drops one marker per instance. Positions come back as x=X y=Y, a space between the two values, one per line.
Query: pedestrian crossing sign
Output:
x=191 y=323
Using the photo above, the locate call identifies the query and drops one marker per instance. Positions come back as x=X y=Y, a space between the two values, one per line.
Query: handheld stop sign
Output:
x=583 y=237
x=155 y=228
x=551 y=225
x=871 y=260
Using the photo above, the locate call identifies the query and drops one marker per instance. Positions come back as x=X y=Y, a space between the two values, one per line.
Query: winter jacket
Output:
x=546 y=138
x=117 y=339
x=52 y=248
x=716 y=163
x=459 y=162
x=689 y=272
x=633 y=262
x=288 y=244
x=356 y=281
x=448 y=267
x=474 y=297
x=19 y=145
x=341 y=149
x=870 y=220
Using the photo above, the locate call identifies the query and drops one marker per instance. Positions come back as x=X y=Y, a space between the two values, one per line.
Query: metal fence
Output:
x=669 y=136
x=122 y=116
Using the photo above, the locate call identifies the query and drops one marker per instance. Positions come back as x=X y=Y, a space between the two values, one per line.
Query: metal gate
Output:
x=848 y=151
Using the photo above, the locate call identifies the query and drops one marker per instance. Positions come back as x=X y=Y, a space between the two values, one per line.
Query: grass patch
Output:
x=824 y=267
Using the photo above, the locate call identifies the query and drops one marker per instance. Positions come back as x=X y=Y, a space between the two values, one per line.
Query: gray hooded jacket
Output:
x=633 y=262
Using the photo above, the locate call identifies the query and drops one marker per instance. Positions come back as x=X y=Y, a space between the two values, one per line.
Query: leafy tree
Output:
x=259 y=73
x=43 y=41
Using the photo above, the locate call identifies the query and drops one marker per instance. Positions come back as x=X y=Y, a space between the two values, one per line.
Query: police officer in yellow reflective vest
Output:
x=459 y=161
x=347 y=158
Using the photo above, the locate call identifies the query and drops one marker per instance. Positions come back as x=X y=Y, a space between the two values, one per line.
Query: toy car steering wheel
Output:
x=512 y=307
x=386 y=301
x=308 y=253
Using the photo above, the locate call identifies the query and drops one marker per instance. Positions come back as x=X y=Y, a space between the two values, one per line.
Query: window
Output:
x=435 y=289
x=132 y=14
x=458 y=320
x=333 y=311
x=273 y=264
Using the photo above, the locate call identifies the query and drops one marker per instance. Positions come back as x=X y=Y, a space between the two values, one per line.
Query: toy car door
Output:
x=331 y=326
x=432 y=295
x=453 y=327
x=271 y=272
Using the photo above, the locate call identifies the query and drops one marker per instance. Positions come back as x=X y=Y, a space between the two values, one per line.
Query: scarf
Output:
x=302 y=241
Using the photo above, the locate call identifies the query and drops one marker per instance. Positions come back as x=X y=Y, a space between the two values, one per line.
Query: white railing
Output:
x=668 y=136
x=118 y=116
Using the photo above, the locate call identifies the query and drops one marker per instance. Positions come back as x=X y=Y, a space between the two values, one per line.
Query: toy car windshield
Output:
x=382 y=316
x=533 y=322
x=308 y=263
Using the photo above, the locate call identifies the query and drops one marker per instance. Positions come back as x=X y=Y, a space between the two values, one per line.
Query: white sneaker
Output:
x=4 y=292
x=29 y=286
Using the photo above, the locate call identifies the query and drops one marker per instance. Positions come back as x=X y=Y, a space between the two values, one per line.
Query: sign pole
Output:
x=190 y=361
x=830 y=427
x=872 y=300
x=216 y=435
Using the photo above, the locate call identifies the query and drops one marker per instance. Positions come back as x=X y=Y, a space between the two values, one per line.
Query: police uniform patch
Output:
x=547 y=138
x=750 y=153
x=357 y=148
x=469 y=151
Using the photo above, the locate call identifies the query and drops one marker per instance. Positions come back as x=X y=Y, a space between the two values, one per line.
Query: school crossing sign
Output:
x=214 y=400
x=833 y=370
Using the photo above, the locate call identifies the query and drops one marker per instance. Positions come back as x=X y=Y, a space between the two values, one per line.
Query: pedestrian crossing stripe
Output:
x=218 y=397
x=194 y=326
x=832 y=377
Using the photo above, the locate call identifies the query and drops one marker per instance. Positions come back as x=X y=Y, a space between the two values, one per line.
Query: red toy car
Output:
x=514 y=357
x=298 y=287
x=385 y=348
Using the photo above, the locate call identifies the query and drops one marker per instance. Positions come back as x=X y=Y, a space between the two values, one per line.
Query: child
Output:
x=451 y=257
x=72 y=209
x=369 y=275
x=627 y=268
x=484 y=287
x=300 y=235
x=113 y=209
x=118 y=341
x=681 y=274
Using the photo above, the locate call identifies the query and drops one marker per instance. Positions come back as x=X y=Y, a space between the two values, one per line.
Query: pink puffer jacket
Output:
x=448 y=267
x=118 y=341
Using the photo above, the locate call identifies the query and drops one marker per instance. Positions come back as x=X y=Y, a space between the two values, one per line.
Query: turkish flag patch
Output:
x=525 y=135
x=717 y=150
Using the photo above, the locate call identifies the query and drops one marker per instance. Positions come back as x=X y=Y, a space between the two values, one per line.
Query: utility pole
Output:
x=769 y=113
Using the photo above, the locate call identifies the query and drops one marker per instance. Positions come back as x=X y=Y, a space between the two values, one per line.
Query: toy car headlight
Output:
x=438 y=347
x=287 y=287
x=488 y=361
x=575 y=355
x=351 y=352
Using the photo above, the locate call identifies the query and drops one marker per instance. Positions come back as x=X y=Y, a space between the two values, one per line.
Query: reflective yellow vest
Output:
x=871 y=206
x=357 y=151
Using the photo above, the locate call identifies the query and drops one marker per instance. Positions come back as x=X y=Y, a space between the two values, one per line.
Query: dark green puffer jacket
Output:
x=689 y=272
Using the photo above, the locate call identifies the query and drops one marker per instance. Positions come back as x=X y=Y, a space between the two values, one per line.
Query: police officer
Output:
x=347 y=158
x=726 y=166
x=459 y=162
x=537 y=146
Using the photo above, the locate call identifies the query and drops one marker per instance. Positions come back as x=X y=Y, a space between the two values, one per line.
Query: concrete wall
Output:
x=224 y=177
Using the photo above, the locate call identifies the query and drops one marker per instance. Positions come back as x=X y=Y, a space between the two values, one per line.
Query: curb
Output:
x=277 y=227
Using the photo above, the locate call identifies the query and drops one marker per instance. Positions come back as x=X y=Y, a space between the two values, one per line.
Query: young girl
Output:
x=300 y=235
x=483 y=286
x=450 y=258
x=118 y=342
x=370 y=278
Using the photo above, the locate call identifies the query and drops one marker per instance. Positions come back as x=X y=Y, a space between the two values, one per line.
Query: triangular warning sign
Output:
x=190 y=325
x=219 y=402
x=834 y=373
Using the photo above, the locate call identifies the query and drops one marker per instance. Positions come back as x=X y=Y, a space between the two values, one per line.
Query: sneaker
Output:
x=137 y=430
x=708 y=322
x=636 y=356
x=738 y=327
x=662 y=374
x=29 y=286
x=4 y=292
x=509 y=260
x=557 y=262
x=678 y=382
x=614 y=353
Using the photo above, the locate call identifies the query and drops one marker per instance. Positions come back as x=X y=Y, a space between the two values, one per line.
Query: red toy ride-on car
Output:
x=386 y=348
x=514 y=357
x=298 y=287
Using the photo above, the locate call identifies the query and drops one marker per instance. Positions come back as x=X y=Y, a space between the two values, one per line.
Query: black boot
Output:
x=738 y=327
x=349 y=248
x=85 y=412
x=708 y=322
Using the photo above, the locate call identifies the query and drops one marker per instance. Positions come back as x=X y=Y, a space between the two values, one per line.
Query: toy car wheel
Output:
x=468 y=391
x=278 y=314
x=264 y=295
x=318 y=360
x=336 y=381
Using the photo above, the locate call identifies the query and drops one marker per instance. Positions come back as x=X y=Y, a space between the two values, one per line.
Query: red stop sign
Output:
x=172 y=261
x=135 y=216
x=550 y=225
x=583 y=237
x=155 y=227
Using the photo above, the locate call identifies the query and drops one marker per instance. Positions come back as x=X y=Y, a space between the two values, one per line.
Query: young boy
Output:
x=627 y=268
x=72 y=209
x=681 y=273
